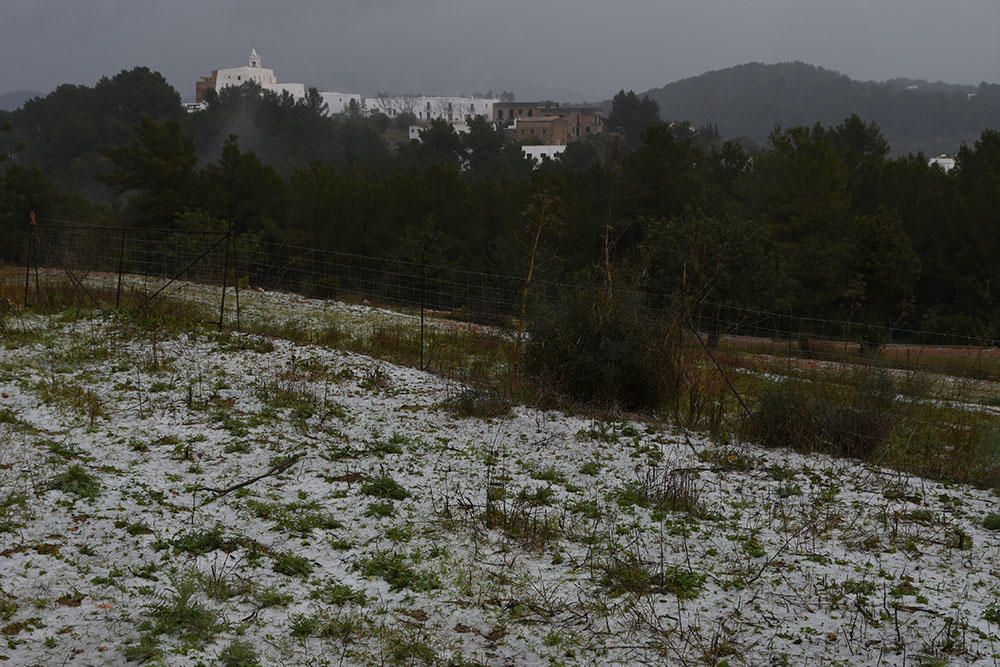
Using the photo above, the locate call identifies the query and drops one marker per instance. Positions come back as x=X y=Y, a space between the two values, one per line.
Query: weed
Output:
x=393 y=445
x=395 y=569
x=376 y=379
x=8 y=607
x=336 y=593
x=477 y=404
x=272 y=597
x=74 y=397
x=550 y=475
x=292 y=565
x=386 y=488
x=76 y=481
x=538 y=497
x=661 y=490
x=299 y=518
x=992 y=614
x=301 y=626
x=145 y=649
x=340 y=628
x=239 y=653
x=203 y=541
x=381 y=510
x=181 y=615
x=588 y=508
x=630 y=575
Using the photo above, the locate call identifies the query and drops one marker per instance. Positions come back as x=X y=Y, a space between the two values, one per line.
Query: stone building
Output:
x=546 y=130
x=581 y=120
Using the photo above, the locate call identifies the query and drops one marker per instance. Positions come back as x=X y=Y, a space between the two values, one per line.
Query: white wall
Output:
x=237 y=76
x=549 y=151
x=946 y=163
x=427 y=108
x=296 y=90
x=339 y=102
x=415 y=130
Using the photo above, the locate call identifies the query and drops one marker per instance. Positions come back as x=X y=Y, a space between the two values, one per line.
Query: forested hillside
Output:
x=822 y=222
x=750 y=100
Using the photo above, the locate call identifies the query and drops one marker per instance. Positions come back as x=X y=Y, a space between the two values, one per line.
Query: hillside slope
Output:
x=750 y=100
x=195 y=498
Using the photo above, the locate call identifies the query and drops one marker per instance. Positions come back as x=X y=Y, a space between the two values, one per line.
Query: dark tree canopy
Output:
x=819 y=221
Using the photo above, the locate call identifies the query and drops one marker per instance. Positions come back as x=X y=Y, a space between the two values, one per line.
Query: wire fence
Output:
x=944 y=394
x=223 y=259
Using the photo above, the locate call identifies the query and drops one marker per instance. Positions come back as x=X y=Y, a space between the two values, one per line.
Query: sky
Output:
x=570 y=50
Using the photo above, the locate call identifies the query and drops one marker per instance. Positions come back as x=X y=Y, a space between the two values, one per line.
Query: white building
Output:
x=460 y=127
x=341 y=102
x=537 y=152
x=427 y=108
x=237 y=76
x=252 y=72
x=945 y=162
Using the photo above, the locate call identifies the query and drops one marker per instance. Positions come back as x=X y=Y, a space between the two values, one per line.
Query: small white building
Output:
x=459 y=127
x=337 y=102
x=427 y=107
x=537 y=152
x=945 y=162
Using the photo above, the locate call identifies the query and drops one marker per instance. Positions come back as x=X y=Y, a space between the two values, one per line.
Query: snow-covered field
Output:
x=206 y=499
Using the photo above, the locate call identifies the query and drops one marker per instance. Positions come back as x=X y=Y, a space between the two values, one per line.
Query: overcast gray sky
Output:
x=565 y=49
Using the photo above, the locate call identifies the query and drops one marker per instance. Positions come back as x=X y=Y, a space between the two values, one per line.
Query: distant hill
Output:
x=750 y=100
x=15 y=99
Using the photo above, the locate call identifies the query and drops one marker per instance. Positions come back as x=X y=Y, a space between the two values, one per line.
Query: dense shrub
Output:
x=853 y=420
x=601 y=347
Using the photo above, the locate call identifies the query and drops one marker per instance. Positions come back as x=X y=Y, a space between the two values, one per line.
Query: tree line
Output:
x=821 y=221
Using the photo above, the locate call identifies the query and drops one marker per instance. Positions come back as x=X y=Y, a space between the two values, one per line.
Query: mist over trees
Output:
x=821 y=220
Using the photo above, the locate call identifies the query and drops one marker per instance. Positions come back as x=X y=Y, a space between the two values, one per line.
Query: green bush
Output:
x=853 y=420
x=601 y=347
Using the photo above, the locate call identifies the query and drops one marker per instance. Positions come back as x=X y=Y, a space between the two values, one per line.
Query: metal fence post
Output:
x=27 y=267
x=225 y=278
x=422 y=283
x=236 y=280
x=121 y=271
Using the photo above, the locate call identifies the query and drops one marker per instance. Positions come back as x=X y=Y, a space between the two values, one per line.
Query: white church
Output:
x=253 y=71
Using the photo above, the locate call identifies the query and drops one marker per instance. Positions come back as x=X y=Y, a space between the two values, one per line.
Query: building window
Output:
x=530 y=113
